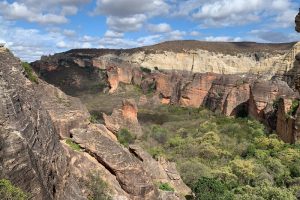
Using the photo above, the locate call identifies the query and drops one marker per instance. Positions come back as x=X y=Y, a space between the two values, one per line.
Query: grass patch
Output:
x=73 y=145
x=98 y=188
x=9 y=192
x=125 y=137
x=29 y=72
x=165 y=187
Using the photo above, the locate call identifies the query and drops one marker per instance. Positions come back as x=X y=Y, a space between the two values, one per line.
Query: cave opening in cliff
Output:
x=241 y=111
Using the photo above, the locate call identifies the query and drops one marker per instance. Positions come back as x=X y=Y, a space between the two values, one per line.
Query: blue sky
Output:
x=32 y=28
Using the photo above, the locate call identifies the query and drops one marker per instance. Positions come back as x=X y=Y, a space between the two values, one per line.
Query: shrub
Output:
x=125 y=137
x=165 y=187
x=244 y=169
x=295 y=169
x=155 y=152
x=159 y=134
x=10 y=192
x=211 y=189
x=73 y=145
x=97 y=187
x=29 y=72
x=294 y=107
x=146 y=70
x=93 y=119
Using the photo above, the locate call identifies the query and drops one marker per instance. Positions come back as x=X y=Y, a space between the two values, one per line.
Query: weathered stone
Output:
x=127 y=169
x=285 y=123
x=31 y=154
x=195 y=91
x=126 y=117
x=161 y=171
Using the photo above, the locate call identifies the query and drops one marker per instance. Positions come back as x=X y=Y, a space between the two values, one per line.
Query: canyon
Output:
x=50 y=143
x=240 y=90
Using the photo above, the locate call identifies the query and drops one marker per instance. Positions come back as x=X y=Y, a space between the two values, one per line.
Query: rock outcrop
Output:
x=297 y=22
x=124 y=118
x=31 y=154
x=35 y=120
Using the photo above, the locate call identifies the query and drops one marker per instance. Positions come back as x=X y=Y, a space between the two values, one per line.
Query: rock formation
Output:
x=126 y=117
x=297 y=22
x=35 y=120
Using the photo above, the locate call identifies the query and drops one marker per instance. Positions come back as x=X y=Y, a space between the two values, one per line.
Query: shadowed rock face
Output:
x=31 y=154
x=297 y=22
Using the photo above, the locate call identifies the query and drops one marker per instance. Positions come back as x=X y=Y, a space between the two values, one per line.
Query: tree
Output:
x=211 y=189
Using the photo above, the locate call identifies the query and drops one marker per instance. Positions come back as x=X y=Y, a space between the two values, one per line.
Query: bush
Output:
x=97 y=187
x=211 y=189
x=294 y=107
x=244 y=169
x=125 y=137
x=159 y=134
x=93 y=119
x=295 y=169
x=29 y=72
x=73 y=145
x=10 y=192
x=146 y=70
x=165 y=187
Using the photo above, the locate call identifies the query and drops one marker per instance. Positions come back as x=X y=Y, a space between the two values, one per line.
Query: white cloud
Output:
x=126 y=24
x=159 y=28
x=47 y=12
x=125 y=8
x=223 y=39
x=214 y=13
x=273 y=36
x=176 y=35
x=194 y=33
x=113 y=34
x=129 y=15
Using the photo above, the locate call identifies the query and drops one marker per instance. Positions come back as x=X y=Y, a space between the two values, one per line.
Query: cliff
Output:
x=193 y=56
x=39 y=127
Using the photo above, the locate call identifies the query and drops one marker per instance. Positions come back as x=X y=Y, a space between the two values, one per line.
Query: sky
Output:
x=32 y=28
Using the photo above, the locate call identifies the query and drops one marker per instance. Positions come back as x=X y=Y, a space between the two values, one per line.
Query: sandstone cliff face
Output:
x=203 y=61
x=34 y=121
x=31 y=154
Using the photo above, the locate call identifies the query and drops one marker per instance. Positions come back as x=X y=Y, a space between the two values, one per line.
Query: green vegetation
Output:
x=165 y=187
x=93 y=118
x=97 y=187
x=73 y=145
x=29 y=72
x=294 y=107
x=146 y=70
x=10 y=192
x=125 y=137
x=211 y=189
x=222 y=157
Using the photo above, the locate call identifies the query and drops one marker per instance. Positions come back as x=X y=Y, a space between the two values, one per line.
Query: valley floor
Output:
x=219 y=157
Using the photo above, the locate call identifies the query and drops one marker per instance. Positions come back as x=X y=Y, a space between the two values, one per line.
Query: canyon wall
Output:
x=236 y=79
x=38 y=122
